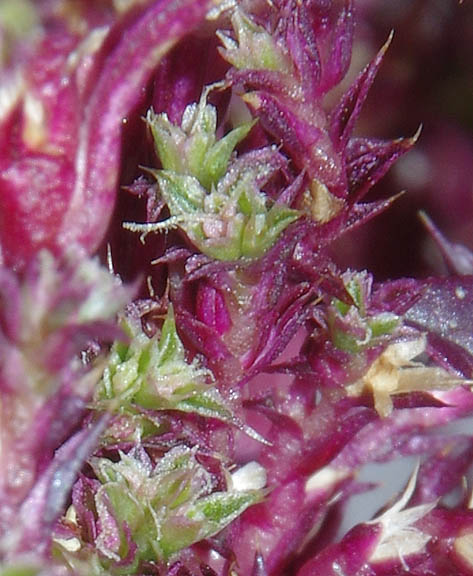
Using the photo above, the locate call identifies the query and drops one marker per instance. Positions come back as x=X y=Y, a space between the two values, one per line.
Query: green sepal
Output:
x=355 y=288
x=341 y=306
x=219 y=509
x=383 y=324
x=218 y=157
x=262 y=230
x=183 y=194
x=343 y=340
x=255 y=48
x=168 y=139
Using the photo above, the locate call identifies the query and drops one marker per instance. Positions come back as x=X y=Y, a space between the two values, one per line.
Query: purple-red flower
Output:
x=190 y=379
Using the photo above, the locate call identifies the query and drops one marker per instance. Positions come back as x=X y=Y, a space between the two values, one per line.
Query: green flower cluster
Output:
x=215 y=198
